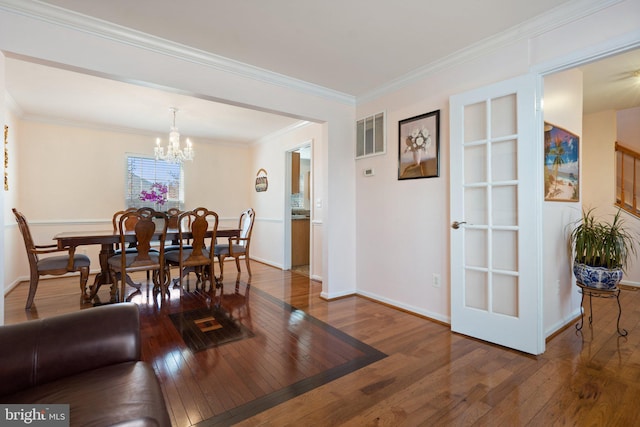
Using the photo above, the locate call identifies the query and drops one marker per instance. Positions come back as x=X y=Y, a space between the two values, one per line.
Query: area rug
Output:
x=208 y=327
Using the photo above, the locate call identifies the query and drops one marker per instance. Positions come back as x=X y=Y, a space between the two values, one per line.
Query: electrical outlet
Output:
x=436 y=280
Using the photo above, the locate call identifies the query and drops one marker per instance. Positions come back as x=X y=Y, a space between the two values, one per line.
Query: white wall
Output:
x=628 y=125
x=599 y=162
x=63 y=167
x=563 y=108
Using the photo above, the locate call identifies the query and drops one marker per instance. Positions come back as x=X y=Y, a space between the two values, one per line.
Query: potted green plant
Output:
x=601 y=250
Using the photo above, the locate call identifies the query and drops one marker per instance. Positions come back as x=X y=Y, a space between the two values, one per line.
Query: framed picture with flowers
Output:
x=419 y=146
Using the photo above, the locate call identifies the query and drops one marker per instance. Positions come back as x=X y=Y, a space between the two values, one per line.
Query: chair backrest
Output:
x=129 y=224
x=143 y=231
x=173 y=214
x=203 y=227
x=246 y=226
x=26 y=235
x=175 y=222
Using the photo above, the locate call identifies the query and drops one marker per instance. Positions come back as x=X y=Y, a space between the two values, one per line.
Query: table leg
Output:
x=104 y=277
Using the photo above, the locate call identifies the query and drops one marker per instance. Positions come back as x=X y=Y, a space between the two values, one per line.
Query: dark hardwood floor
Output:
x=356 y=362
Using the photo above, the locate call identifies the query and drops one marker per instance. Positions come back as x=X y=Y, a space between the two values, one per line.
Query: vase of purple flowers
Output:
x=156 y=194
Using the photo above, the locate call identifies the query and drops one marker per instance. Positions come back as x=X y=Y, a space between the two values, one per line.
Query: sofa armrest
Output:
x=38 y=351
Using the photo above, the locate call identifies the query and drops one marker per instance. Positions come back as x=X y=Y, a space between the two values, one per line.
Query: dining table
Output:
x=107 y=239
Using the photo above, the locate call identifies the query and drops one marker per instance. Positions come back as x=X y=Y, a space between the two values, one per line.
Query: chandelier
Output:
x=174 y=153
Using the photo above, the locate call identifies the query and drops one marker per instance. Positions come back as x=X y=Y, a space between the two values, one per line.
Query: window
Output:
x=370 y=136
x=153 y=183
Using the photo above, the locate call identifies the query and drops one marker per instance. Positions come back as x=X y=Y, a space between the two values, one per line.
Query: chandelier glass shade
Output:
x=174 y=154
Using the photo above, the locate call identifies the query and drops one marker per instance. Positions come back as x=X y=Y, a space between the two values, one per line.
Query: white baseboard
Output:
x=435 y=316
x=562 y=323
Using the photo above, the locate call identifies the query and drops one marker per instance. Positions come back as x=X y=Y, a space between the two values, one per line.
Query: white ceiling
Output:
x=611 y=83
x=352 y=47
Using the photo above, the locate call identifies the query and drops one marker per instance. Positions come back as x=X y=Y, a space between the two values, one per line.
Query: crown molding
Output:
x=557 y=17
x=615 y=46
x=66 y=18
x=12 y=105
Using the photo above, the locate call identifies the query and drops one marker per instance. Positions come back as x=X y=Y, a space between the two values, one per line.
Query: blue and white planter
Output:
x=597 y=277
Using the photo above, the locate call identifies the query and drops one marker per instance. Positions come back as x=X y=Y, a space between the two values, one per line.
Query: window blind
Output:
x=153 y=183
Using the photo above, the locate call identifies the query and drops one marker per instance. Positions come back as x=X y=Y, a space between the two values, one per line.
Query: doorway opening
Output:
x=299 y=212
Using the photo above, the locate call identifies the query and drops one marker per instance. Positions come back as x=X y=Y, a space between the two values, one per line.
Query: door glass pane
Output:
x=476 y=293
x=504 y=205
x=475 y=164
x=505 y=294
x=504 y=166
x=475 y=122
x=475 y=248
x=475 y=205
x=505 y=250
x=503 y=116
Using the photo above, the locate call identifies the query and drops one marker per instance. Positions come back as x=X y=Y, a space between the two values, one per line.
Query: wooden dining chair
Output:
x=173 y=215
x=238 y=246
x=54 y=265
x=144 y=258
x=196 y=256
x=129 y=225
x=175 y=223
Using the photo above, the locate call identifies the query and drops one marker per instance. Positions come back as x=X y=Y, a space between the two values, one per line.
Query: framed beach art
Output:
x=419 y=146
x=561 y=164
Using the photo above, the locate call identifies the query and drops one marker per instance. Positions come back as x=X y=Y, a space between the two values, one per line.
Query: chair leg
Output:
x=212 y=278
x=221 y=261
x=123 y=285
x=237 y=263
x=84 y=277
x=33 y=286
x=167 y=280
x=246 y=261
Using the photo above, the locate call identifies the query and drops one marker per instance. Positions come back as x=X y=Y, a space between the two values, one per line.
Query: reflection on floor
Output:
x=301 y=269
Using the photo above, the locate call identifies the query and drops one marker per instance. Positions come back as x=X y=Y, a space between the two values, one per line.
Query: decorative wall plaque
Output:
x=6 y=157
x=261 y=181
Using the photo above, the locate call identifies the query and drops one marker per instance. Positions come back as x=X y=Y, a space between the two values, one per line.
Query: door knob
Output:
x=455 y=224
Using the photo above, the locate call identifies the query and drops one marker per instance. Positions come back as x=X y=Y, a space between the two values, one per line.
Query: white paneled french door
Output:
x=496 y=285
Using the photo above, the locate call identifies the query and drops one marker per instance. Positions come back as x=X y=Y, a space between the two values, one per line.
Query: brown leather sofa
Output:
x=90 y=360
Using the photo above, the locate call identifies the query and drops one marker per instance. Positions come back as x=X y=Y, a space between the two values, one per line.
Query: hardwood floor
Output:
x=414 y=371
